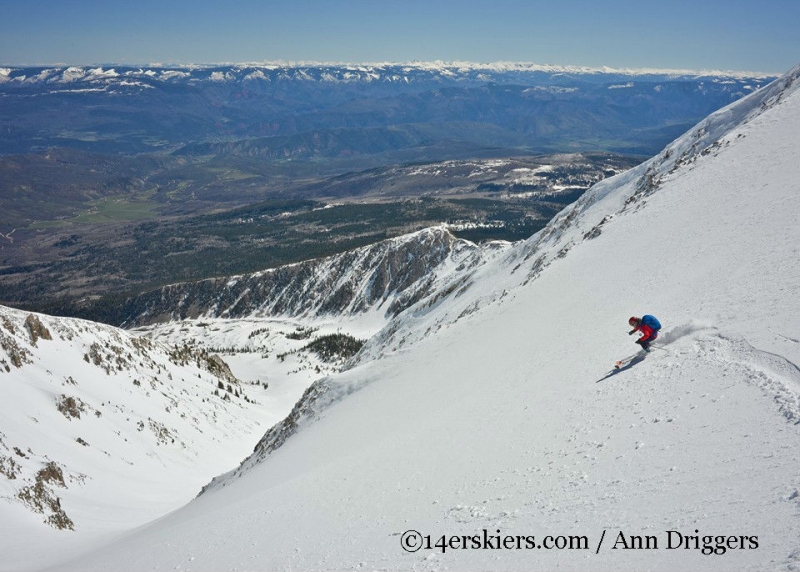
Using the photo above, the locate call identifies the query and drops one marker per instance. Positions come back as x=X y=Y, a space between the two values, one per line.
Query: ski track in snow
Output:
x=778 y=377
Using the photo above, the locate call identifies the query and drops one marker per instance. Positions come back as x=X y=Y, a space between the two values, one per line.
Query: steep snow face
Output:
x=380 y=280
x=103 y=430
x=505 y=419
x=591 y=215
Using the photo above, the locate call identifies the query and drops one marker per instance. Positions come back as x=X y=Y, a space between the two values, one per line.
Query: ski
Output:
x=624 y=364
x=637 y=357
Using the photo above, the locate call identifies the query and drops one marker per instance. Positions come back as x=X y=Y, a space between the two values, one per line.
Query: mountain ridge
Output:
x=384 y=278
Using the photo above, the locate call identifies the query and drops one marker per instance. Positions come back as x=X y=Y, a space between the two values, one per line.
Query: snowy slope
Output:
x=588 y=217
x=102 y=430
x=492 y=406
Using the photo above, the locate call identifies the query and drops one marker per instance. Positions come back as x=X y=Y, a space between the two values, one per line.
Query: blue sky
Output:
x=696 y=34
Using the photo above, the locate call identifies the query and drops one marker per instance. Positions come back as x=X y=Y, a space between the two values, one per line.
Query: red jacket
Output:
x=648 y=333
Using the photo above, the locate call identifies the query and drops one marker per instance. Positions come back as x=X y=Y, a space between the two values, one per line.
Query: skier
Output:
x=648 y=326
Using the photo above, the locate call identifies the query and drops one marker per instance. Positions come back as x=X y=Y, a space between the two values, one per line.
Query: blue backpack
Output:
x=651 y=321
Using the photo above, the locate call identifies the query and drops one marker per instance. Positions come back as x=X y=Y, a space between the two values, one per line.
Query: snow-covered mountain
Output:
x=101 y=427
x=381 y=280
x=582 y=222
x=488 y=408
x=587 y=218
x=117 y=76
x=493 y=427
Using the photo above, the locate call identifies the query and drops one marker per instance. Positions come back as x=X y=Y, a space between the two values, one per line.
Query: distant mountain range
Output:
x=320 y=110
x=404 y=73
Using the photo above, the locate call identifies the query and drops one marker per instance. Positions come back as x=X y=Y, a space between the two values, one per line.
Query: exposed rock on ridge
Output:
x=387 y=277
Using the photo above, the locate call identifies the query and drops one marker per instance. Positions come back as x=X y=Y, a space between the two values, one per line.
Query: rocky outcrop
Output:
x=36 y=329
